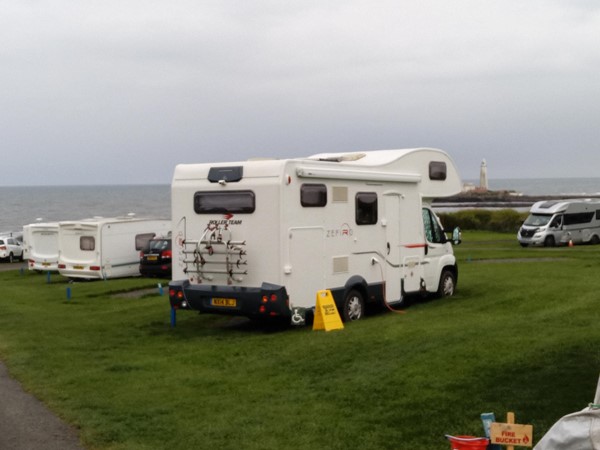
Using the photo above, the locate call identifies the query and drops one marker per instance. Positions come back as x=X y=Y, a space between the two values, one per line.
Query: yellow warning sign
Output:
x=326 y=315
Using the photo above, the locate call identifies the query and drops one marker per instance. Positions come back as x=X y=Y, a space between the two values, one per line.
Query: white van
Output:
x=559 y=222
x=40 y=241
x=101 y=248
x=260 y=238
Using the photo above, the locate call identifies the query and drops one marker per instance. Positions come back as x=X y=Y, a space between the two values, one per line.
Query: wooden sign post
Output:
x=511 y=434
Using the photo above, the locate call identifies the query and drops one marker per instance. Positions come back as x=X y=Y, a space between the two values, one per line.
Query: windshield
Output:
x=537 y=220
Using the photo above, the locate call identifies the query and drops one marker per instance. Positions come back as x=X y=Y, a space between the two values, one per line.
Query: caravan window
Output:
x=141 y=240
x=312 y=195
x=366 y=208
x=87 y=243
x=219 y=202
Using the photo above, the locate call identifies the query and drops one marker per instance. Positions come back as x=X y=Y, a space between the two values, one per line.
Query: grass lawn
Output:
x=521 y=335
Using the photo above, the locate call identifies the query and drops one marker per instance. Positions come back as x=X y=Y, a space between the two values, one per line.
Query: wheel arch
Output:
x=355 y=282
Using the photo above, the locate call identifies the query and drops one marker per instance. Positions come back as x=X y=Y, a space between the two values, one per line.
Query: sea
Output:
x=22 y=205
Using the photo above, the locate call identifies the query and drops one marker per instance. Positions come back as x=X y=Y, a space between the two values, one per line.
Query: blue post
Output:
x=173 y=317
x=22 y=270
x=48 y=277
x=68 y=293
x=160 y=289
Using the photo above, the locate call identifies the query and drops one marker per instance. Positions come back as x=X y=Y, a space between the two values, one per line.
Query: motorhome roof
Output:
x=371 y=158
x=559 y=205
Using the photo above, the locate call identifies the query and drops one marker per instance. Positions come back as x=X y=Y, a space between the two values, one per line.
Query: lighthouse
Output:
x=483 y=178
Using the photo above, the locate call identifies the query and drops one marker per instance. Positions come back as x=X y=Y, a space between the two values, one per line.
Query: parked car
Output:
x=11 y=249
x=155 y=259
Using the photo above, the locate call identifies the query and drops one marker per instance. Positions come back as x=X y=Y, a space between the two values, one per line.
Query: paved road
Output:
x=25 y=423
x=4 y=266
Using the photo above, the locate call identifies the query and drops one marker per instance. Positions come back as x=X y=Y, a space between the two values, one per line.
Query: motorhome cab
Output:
x=260 y=238
x=109 y=247
x=558 y=222
x=40 y=241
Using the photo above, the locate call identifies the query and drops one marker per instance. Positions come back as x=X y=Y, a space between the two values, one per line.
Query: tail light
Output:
x=62 y=266
x=94 y=267
x=2 y=247
x=167 y=254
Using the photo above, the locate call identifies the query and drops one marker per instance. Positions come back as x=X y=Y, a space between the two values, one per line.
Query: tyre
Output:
x=595 y=240
x=11 y=258
x=523 y=244
x=549 y=241
x=353 y=307
x=447 y=284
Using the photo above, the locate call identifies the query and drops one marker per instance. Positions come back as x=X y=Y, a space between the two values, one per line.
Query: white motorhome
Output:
x=558 y=222
x=260 y=238
x=100 y=248
x=40 y=241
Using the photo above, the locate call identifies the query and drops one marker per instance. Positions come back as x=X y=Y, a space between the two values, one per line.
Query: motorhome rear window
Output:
x=141 y=240
x=313 y=195
x=234 y=202
x=87 y=243
x=228 y=174
x=437 y=170
x=366 y=208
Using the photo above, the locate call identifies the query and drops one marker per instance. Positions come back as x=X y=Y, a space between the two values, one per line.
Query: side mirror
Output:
x=456 y=236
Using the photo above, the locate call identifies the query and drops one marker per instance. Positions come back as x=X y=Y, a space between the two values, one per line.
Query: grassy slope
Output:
x=520 y=335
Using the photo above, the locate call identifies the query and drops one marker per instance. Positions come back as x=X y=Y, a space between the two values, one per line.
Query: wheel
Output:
x=549 y=241
x=595 y=240
x=447 y=284
x=10 y=258
x=353 y=307
x=523 y=244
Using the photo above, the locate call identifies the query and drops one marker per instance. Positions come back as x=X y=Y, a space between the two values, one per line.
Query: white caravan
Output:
x=40 y=242
x=101 y=248
x=260 y=238
x=558 y=222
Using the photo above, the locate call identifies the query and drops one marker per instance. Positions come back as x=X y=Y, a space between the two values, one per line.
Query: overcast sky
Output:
x=119 y=92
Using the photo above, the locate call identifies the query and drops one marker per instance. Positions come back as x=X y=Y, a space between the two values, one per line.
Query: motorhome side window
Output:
x=433 y=231
x=313 y=195
x=437 y=170
x=87 y=243
x=141 y=240
x=219 y=202
x=574 y=219
x=366 y=208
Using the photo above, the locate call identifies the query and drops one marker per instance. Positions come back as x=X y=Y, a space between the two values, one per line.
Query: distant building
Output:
x=483 y=178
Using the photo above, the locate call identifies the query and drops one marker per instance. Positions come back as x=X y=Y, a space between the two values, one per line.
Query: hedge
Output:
x=502 y=220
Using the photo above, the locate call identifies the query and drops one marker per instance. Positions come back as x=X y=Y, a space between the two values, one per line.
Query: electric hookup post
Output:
x=173 y=317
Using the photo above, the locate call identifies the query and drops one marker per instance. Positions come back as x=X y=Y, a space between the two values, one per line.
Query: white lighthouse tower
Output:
x=483 y=178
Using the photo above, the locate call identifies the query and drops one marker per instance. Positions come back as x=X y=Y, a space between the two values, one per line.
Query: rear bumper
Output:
x=268 y=300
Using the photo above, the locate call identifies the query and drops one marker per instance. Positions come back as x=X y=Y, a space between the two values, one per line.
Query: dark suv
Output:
x=155 y=259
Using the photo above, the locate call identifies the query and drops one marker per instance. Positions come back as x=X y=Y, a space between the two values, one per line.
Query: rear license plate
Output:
x=45 y=264
x=151 y=257
x=226 y=302
x=78 y=267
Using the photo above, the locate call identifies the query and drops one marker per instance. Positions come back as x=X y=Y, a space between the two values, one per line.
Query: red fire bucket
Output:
x=468 y=442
